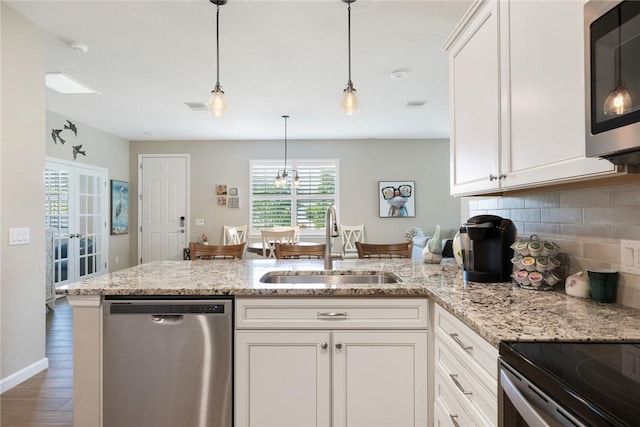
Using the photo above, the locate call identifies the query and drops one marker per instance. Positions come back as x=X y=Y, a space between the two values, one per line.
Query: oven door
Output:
x=520 y=403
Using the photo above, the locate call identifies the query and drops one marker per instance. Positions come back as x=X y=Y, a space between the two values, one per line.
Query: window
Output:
x=304 y=206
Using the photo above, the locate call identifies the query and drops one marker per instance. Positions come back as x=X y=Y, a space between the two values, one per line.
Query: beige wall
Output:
x=587 y=224
x=362 y=164
x=22 y=195
x=103 y=150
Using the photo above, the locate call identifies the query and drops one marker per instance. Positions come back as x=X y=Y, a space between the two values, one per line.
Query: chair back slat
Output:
x=234 y=234
x=210 y=252
x=288 y=251
x=350 y=234
x=389 y=250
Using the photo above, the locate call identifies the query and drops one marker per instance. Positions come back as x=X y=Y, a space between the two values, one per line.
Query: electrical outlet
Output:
x=630 y=256
x=199 y=221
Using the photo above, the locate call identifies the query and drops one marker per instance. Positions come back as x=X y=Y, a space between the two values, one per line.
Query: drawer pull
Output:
x=465 y=347
x=454 y=420
x=454 y=378
x=324 y=346
x=338 y=346
x=332 y=315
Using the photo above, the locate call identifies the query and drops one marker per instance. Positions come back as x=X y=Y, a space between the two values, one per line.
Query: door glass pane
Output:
x=56 y=216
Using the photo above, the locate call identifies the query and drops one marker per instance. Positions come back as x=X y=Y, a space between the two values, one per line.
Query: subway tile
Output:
x=561 y=215
x=602 y=252
x=588 y=233
x=573 y=248
x=547 y=200
x=487 y=203
x=626 y=196
x=527 y=215
x=627 y=232
x=542 y=229
x=612 y=215
x=585 y=198
x=511 y=202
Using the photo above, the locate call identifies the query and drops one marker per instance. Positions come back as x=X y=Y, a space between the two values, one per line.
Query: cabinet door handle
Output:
x=332 y=315
x=492 y=177
x=465 y=347
x=339 y=346
x=502 y=176
x=454 y=378
x=324 y=346
x=454 y=420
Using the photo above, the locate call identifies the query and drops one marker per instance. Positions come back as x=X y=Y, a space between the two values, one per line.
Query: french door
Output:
x=76 y=208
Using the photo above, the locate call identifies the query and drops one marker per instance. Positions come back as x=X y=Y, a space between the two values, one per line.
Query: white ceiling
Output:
x=276 y=57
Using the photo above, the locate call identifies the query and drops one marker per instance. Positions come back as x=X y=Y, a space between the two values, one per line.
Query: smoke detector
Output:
x=79 y=47
x=398 y=74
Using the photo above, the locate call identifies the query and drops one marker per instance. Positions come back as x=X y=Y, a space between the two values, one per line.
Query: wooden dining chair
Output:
x=287 y=251
x=270 y=238
x=200 y=251
x=350 y=234
x=389 y=250
x=234 y=234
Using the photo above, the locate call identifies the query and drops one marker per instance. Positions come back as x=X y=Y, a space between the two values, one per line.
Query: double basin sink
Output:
x=330 y=277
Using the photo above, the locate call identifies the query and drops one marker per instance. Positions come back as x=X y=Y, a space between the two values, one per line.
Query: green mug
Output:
x=603 y=284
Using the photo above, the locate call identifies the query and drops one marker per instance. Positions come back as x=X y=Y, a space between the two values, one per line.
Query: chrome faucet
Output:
x=331 y=224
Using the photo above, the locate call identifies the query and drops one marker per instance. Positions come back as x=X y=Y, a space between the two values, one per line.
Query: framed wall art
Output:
x=397 y=199
x=119 y=207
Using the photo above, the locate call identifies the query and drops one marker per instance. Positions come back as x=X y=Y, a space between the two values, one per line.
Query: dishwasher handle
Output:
x=169 y=319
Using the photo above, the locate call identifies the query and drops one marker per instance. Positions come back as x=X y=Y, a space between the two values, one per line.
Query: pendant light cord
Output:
x=218 y=47
x=349 y=39
x=619 y=51
x=285 y=143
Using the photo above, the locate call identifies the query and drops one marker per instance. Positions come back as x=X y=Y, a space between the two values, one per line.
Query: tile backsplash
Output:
x=587 y=224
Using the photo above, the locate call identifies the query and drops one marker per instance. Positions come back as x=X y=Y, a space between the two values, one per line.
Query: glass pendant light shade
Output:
x=218 y=103
x=618 y=101
x=349 y=100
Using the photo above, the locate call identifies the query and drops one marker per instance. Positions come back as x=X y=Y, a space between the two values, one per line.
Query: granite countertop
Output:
x=496 y=311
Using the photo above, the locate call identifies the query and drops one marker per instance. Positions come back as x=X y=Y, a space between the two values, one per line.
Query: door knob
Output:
x=338 y=346
x=324 y=345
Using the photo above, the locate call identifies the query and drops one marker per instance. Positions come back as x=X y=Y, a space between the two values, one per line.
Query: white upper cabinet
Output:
x=474 y=71
x=523 y=102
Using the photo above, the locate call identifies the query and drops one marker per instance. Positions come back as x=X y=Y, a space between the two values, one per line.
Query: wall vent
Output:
x=414 y=104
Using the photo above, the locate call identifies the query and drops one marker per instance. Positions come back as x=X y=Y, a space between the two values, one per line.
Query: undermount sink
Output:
x=330 y=277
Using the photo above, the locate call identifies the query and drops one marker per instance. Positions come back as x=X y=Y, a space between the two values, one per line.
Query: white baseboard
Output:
x=23 y=374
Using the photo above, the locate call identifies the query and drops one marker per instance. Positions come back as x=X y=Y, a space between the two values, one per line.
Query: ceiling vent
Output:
x=197 y=106
x=414 y=104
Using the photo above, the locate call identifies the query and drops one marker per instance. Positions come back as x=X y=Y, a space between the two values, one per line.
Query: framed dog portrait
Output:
x=397 y=199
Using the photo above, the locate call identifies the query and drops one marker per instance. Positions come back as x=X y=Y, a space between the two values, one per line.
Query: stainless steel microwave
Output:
x=612 y=71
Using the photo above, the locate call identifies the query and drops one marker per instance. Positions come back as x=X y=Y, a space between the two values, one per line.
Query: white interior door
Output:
x=163 y=213
x=76 y=207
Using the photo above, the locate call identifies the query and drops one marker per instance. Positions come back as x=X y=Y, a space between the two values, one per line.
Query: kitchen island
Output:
x=494 y=311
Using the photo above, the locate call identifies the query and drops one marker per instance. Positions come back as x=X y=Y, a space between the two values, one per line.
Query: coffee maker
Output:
x=486 y=242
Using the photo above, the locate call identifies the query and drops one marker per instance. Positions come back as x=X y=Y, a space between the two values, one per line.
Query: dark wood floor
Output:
x=46 y=399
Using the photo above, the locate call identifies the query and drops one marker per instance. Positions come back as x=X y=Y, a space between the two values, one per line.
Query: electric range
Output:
x=590 y=382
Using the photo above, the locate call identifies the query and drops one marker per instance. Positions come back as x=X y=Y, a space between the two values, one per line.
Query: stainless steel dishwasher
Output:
x=167 y=362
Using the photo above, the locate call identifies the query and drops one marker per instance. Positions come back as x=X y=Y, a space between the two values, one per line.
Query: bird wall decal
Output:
x=72 y=127
x=55 y=134
x=76 y=151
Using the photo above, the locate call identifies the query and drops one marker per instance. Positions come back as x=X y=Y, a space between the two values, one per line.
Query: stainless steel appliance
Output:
x=612 y=71
x=167 y=362
x=486 y=248
x=552 y=383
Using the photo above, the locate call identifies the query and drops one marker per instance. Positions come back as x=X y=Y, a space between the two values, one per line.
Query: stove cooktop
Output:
x=597 y=381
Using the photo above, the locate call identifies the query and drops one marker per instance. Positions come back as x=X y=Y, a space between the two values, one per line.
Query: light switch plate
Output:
x=19 y=236
x=199 y=221
x=630 y=256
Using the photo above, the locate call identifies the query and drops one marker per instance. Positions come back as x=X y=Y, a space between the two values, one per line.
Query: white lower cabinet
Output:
x=337 y=376
x=465 y=379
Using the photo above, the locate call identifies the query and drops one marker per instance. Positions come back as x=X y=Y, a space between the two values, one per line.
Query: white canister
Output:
x=577 y=285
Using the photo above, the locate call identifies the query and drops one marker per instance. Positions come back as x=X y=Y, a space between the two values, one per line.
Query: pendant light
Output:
x=217 y=103
x=618 y=101
x=349 y=99
x=283 y=176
